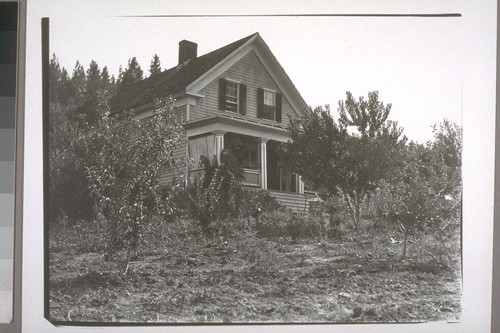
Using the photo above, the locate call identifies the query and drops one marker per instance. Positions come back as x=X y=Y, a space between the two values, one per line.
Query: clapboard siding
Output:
x=179 y=154
x=180 y=113
x=249 y=71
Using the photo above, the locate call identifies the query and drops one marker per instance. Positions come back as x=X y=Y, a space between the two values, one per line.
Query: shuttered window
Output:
x=269 y=104
x=232 y=96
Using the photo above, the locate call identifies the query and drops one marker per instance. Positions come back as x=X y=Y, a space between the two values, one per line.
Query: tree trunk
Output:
x=405 y=241
x=127 y=260
x=356 y=212
x=353 y=208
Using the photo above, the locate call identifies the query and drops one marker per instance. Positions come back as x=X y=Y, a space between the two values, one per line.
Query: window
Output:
x=245 y=149
x=269 y=104
x=251 y=156
x=232 y=96
x=269 y=111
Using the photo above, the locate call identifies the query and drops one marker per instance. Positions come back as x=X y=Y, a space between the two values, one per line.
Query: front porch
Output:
x=257 y=150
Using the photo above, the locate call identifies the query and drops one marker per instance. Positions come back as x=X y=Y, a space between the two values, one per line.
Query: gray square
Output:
x=6 y=274
x=6 y=302
x=6 y=210
x=7 y=144
x=6 y=242
x=7 y=174
x=8 y=80
x=7 y=111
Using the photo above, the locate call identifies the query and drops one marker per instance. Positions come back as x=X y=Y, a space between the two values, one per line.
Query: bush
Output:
x=218 y=195
x=218 y=199
x=258 y=201
x=333 y=210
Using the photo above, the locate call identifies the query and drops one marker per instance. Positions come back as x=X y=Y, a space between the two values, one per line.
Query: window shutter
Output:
x=260 y=102
x=243 y=99
x=278 y=107
x=222 y=94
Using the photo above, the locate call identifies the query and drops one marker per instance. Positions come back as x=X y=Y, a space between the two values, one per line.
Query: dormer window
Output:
x=232 y=96
x=269 y=104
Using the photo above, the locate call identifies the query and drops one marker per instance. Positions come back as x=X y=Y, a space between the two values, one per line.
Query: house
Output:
x=237 y=92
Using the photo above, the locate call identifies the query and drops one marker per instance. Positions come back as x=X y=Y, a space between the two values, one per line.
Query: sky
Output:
x=415 y=63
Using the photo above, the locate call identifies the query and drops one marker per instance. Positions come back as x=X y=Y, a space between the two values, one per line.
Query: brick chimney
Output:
x=187 y=50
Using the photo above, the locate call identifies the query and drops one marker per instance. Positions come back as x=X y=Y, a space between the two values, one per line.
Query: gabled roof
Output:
x=191 y=76
x=172 y=81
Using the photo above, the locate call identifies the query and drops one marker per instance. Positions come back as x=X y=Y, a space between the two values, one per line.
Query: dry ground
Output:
x=187 y=277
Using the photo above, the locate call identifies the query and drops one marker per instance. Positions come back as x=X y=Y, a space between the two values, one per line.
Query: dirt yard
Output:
x=187 y=278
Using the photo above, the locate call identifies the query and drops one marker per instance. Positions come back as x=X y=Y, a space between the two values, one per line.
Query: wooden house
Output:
x=237 y=92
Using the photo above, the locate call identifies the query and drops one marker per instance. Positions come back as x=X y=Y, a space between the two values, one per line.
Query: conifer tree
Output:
x=131 y=74
x=155 y=67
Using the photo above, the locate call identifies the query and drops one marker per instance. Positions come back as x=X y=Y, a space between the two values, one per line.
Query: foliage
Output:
x=131 y=74
x=73 y=104
x=155 y=66
x=424 y=195
x=218 y=194
x=124 y=170
x=219 y=197
x=369 y=117
x=332 y=209
x=258 y=201
x=333 y=156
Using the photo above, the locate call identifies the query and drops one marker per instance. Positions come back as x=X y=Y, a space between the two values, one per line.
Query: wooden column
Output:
x=263 y=163
x=219 y=144
x=301 y=185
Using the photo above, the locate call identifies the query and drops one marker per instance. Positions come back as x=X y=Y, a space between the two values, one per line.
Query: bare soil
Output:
x=192 y=278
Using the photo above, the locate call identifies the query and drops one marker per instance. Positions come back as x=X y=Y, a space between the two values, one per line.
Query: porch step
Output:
x=294 y=201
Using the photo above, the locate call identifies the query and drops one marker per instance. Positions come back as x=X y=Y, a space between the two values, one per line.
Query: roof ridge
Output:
x=172 y=80
x=228 y=46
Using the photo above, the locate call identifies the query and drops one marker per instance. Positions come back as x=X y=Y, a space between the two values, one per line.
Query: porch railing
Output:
x=251 y=176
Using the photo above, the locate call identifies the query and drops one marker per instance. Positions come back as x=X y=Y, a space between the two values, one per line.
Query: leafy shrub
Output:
x=218 y=199
x=259 y=201
x=424 y=194
x=126 y=158
x=333 y=211
x=218 y=194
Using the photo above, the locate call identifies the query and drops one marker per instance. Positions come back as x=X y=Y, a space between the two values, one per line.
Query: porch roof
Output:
x=222 y=123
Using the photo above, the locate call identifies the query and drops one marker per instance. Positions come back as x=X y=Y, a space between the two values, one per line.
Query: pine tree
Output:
x=78 y=84
x=155 y=67
x=93 y=83
x=131 y=74
x=108 y=83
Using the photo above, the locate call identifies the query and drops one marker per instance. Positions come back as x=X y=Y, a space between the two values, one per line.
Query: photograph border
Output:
x=496 y=246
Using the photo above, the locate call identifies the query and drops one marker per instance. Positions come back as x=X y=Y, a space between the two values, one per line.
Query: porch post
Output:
x=219 y=144
x=263 y=163
x=301 y=185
